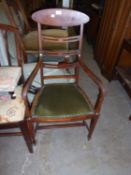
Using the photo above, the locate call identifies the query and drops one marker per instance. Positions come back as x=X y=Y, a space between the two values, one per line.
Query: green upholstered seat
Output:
x=61 y=100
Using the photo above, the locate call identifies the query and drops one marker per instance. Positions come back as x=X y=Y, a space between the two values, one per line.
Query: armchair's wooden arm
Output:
x=28 y=83
x=98 y=82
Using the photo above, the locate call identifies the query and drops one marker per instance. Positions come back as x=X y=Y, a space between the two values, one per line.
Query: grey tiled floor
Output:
x=67 y=151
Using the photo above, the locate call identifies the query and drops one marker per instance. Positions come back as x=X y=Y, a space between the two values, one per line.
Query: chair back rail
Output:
x=64 y=53
x=61 y=39
x=6 y=29
x=64 y=66
x=64 y=19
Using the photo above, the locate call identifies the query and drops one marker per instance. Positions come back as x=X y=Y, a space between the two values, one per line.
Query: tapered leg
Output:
x=25 y=131
x=32 y=132
x=92 y=126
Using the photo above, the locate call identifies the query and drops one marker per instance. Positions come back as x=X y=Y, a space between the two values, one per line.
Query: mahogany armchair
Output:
x=63 y=104
x=60 y=100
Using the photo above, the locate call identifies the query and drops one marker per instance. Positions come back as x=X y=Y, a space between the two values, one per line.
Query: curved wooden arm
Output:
x=98 y=82
x=28 y=83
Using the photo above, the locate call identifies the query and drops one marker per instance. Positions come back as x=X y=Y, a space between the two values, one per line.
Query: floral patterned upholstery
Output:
x=9 y=77
x=12 y=110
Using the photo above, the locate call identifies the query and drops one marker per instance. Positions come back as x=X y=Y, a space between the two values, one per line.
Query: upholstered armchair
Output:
x=63 y=104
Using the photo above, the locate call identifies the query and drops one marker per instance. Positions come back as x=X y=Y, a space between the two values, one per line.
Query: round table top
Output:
x=60 y=17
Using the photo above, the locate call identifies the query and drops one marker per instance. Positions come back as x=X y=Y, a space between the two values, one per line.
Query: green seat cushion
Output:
x=60 y=101
x=31 y=40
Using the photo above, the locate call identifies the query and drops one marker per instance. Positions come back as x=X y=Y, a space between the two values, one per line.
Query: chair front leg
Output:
x=26 y=134
x=92 y=126
x=32 y=131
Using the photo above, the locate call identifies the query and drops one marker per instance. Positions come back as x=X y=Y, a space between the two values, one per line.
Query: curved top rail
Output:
x=60 y=17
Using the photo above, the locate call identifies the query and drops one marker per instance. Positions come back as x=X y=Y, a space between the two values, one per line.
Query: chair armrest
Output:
x=98 y=82
x=28 y=83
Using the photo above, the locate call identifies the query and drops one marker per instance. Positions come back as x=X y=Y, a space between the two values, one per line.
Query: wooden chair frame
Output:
x=8 y=28
x=76 y=121
x=65 y=18
x=22 y=125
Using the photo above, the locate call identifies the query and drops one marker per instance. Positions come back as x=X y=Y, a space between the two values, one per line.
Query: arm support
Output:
x=28 y=84
x=98 y=82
